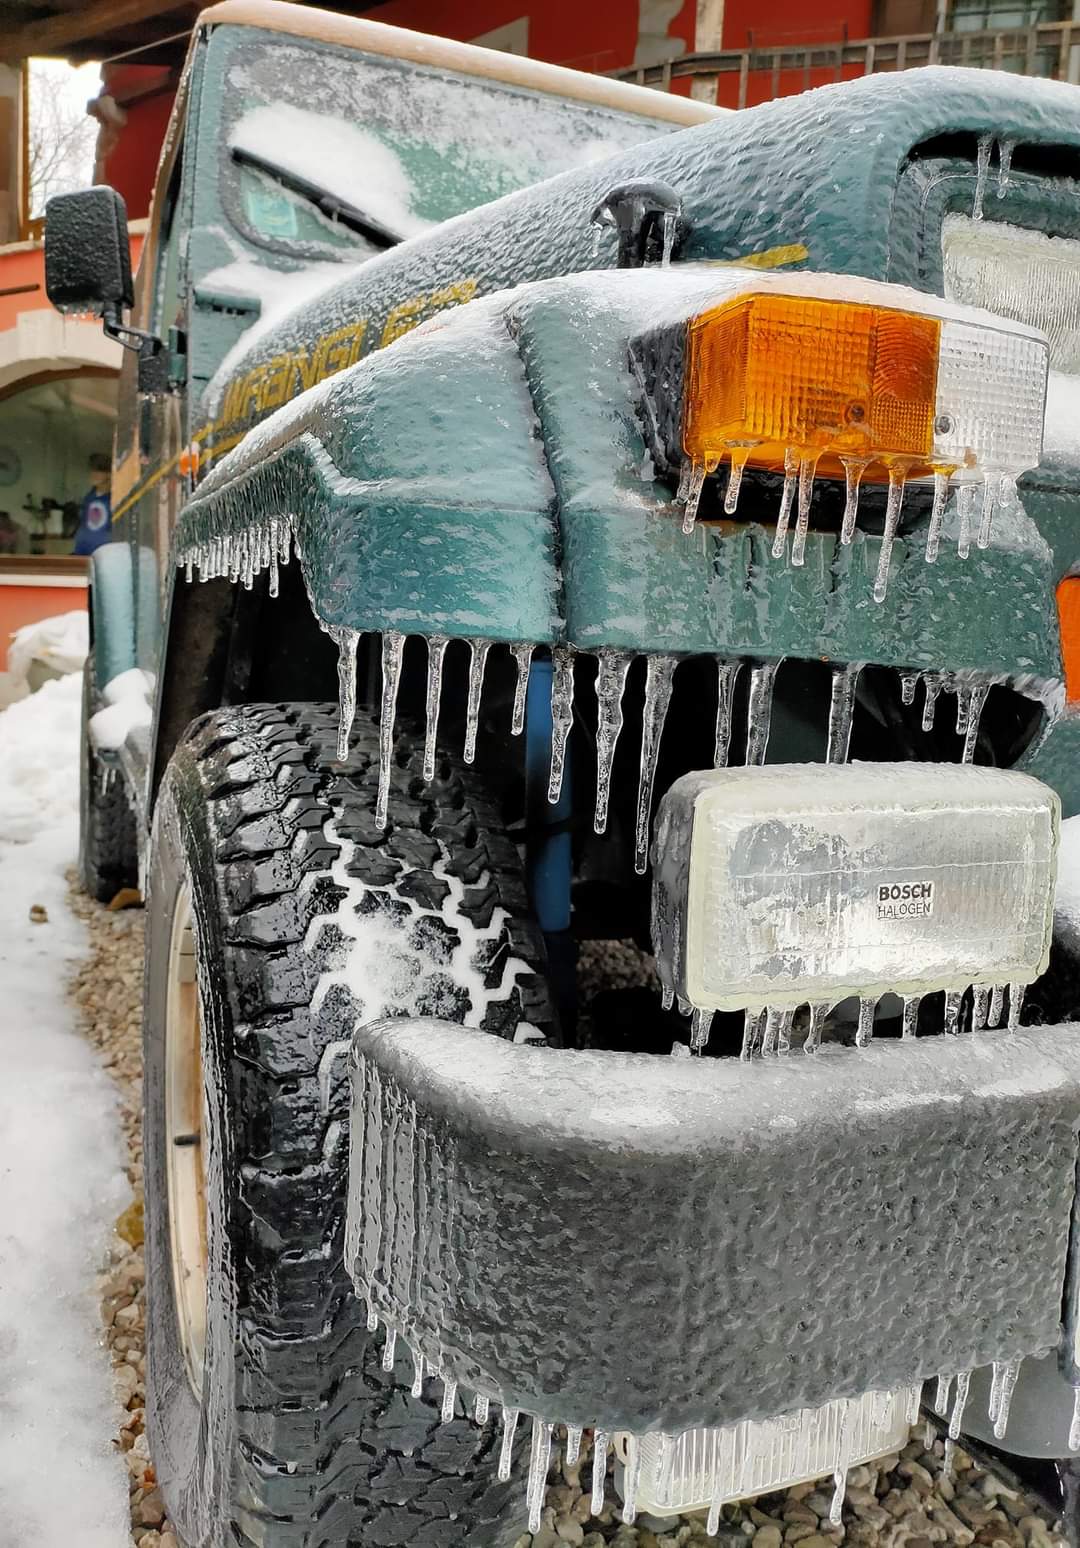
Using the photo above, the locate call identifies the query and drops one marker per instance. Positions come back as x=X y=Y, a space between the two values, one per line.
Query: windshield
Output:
x=308 y=129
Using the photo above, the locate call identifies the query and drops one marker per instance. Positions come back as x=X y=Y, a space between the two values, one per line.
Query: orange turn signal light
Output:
x=1068 y=606
x=768 y=373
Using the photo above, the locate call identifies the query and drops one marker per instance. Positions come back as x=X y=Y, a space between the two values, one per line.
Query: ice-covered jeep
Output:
x=718 y=475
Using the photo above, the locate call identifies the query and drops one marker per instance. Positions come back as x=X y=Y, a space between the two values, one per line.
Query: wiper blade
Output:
x=330 y=204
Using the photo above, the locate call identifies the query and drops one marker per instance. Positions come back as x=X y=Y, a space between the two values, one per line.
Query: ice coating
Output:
x=612 y=667
x=865 y=1032
x=1074 y=1426
x=659 y=672
x=952 y=1012
x=997 y=1001
x=910 y=1021
x=562 y=716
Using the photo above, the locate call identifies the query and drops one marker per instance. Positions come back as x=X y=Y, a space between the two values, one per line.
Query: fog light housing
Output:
x=778 y=886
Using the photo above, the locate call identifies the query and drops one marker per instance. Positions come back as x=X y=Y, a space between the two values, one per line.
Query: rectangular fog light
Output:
x=704 y=1468
x=778 y=885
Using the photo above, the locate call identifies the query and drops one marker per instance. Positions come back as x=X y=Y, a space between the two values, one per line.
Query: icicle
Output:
x=562 y=715
x=700 y=1027
x=389 y=1349
x=1005 y=155
x=865 y=1032
x=986 y=142
x=914 y=1397
x=631 y=1479
x=952 y=1012
x=477 y=662
x=712 y=1521
x=285 y=551
x=752 y=1024
x=853 y=472
x=417 y=1388
x=658 y=676
x=791 y=466
x=1074 y=1427
x=772 y=1031
x=807 y=469
x=481 y=1408
x=937 y=515
x=845 y=681
x=275 y=574
x=976 y=705
x=932 y=685
x=1001 y=1390
x=911 y=1015
x=670 y=225
x=506 y=1446
x=739 y=454
x=188 y=571
x=965 y=504
x=888 y=537
x=996 y=1001
x=783 y=1038
x=346 y=641
x=612 y=667
x=1016 y=1001
x=449 y=1398
x=667 y=999
x=991 y=487
x=909 y=681
x=372 y=1317
x=726 y=672
x=941 y=1395
x=759 y=710
x=980 y=999
x=539 y=1461
x=963 y=1381
x=836 y=1507
x=599 y=1470
x=963 y=706
x=695 y=485
x=819 y=1009
x=573 y=1444
x=436 y=648
x=392 y=647
x=523 y=655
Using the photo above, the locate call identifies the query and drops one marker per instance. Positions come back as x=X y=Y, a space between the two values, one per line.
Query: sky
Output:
x=74 y=87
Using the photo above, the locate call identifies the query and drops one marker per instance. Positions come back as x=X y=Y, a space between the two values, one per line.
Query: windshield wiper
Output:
x=330 y=204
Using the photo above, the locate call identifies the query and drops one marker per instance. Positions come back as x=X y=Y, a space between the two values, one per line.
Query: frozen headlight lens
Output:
x=774 y=886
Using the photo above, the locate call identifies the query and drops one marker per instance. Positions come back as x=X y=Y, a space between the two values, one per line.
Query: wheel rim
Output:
x=184 y=1141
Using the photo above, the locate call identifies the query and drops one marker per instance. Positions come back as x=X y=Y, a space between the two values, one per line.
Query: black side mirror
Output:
x=87 y=253
x=648 y=219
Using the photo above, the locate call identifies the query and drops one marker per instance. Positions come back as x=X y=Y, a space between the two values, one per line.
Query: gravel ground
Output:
x=905 y=1501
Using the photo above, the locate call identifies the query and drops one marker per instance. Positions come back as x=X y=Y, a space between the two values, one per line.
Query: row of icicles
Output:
x=799 y=469
x=767 y=1029
x=240 y=556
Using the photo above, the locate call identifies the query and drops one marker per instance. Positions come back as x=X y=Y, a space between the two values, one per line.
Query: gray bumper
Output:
x=639 y=1243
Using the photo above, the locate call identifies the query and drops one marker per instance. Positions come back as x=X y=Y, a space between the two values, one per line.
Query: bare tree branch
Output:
x=61 y=139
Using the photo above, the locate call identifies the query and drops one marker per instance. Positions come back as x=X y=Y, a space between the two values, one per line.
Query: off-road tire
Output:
x=298 y=1437
x=108 y=853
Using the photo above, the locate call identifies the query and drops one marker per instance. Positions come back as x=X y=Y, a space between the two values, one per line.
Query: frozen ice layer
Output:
x=779 y=885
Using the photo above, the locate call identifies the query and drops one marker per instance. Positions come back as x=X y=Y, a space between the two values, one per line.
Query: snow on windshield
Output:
x=334 y=155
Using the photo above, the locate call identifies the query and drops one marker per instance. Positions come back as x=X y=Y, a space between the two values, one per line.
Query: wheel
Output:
x=270 y=1419
x=108 y=853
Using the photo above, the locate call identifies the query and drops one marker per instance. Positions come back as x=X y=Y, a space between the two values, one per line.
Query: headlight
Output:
x=803 y=884
x=827 y=375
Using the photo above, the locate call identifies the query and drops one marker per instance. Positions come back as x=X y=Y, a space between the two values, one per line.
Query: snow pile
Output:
x=60 y=643
x=128 y=707
x=61 y=1183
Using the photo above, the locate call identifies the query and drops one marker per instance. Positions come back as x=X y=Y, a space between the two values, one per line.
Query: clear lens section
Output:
x=1026 y=275
x=705 y=1467
x=777 y=885
x=991 y=396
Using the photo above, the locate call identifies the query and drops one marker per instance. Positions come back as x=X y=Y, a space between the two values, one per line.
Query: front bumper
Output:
x=659 y=1244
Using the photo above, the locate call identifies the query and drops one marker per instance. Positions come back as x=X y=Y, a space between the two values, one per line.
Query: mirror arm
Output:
x=144 y=344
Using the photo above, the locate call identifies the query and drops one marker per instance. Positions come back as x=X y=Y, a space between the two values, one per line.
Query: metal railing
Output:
x=1044 y=49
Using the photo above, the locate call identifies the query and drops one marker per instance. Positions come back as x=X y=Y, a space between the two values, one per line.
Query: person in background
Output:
x=9 y=534
x=95 y=512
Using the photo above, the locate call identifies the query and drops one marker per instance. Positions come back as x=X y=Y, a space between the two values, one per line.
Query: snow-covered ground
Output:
x=61 y=1183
